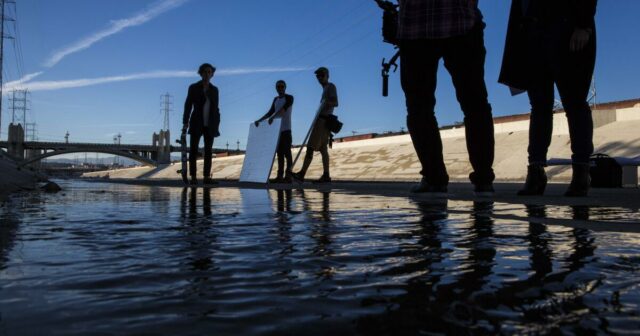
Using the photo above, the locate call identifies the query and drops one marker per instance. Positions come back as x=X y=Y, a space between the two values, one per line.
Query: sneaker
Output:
x=323 y=179
x=193 y=181
x=298 y=177
x=287 y=179
x=425 y=188
x=484 y=190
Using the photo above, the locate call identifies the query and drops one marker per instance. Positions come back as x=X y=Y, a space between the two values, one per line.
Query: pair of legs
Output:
x=194 y=141
x=552 y=62
x=464 y=58
x=283 y=151
x=318 y=141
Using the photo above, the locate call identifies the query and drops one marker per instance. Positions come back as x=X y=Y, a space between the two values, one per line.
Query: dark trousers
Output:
x=284 y=152
x=464 y=59
x=553 y=63
x=194 y=141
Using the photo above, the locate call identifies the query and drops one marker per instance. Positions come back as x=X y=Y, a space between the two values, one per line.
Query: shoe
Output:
x=426 y=188
x=580 y=181
x=536 y=181
x=287 y=178
x=323 y=179
x=484 y=190
x=298 y=177
x=208 y=180
x=276 y=180
x=193 y=181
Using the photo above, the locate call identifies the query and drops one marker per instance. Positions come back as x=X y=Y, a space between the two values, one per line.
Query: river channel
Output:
x=113 y=259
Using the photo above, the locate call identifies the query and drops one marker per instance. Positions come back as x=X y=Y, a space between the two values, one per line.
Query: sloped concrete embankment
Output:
x=393 y=158
x=13 y=179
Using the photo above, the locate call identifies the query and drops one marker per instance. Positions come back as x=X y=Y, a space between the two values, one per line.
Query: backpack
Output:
x=605 y=172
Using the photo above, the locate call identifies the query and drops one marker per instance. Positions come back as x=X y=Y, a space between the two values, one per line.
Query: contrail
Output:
x=74 y=83
x=114 y=28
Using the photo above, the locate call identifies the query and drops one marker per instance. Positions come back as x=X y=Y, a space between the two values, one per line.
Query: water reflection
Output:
x=229 y=261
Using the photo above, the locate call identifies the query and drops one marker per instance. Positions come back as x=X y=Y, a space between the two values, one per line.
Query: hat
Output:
x=321 y=70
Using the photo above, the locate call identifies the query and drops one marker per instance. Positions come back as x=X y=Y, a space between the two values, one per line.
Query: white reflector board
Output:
x=261 y=149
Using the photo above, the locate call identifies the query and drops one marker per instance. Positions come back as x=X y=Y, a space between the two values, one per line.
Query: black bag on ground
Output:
x=605 y=172
x=333 y=124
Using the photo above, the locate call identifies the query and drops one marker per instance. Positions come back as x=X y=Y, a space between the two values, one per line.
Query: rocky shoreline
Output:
x=13 y=179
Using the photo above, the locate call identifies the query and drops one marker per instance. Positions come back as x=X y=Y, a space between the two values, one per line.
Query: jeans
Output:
x=464 y=58
x=194 y=141
x=284 y=152
x=571 y=72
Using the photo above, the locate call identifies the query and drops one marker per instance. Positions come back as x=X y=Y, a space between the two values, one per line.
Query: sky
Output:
x=97 y=68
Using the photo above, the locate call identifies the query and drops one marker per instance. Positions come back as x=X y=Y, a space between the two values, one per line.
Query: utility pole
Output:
x=165 y=100
x=238 y=148
x=66 y=137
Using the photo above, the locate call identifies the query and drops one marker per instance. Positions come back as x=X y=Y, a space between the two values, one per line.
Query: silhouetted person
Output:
x=430 y=30
x=553 y=42
x=320 y=135
x=281 y=108
x=202 y=116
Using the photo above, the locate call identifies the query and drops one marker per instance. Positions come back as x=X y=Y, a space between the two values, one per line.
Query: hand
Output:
x=256 y=123
x=270 y=121
x=579 y=39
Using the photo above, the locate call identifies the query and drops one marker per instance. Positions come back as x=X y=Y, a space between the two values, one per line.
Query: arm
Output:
x=188 y=104
x=268 y=114
x=585 y=13
x=331 y=99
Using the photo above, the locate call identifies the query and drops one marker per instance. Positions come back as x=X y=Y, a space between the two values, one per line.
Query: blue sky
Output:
x=97 y=68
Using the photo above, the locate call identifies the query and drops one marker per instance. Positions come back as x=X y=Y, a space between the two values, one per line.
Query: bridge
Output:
x=28 y=152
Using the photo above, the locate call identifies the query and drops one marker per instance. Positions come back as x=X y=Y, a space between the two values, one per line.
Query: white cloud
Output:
x=114 y=28
x=82 y=82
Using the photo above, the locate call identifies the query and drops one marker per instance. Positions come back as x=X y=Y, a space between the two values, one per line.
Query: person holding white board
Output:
x=281 y=108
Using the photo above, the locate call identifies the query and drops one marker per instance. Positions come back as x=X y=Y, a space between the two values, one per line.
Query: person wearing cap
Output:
x=202 y=118
x=320 y=134
x=430 y=30
x=281 y=108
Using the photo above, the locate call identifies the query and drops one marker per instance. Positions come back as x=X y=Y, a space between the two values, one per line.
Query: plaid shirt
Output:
x=436 y=19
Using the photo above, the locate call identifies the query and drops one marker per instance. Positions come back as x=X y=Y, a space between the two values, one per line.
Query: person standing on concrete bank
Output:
x=553 y=42
x=321 y=135
x=202 y=117
x=281 y=108
x=430 y=30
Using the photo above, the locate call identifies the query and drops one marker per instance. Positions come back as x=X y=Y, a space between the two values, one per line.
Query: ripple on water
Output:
x=128 y=259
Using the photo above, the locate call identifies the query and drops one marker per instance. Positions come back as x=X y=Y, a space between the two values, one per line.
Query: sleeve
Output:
x=585 y=13
x=188 y=104
x=216 y=99
x=288 y=102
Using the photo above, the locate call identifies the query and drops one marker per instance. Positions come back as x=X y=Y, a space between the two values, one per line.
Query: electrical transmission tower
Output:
x=2 y=37
x=166 y=103
x=19 y=107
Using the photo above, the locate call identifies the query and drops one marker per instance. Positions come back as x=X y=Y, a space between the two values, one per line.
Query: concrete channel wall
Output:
x=393 y=158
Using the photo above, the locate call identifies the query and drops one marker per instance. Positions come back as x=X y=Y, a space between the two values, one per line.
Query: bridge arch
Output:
x=126 y=154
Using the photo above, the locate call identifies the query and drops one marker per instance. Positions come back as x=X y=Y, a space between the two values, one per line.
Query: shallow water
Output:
x=120 y=259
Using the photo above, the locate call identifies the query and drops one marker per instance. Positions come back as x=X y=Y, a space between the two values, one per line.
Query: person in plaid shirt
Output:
x=452 y=30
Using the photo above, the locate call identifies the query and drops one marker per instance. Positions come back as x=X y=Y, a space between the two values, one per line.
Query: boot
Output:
x=580 y=181
x=536 y=181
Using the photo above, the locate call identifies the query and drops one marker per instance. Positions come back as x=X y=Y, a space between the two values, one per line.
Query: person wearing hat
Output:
x=202 y=117
x=320 y=134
